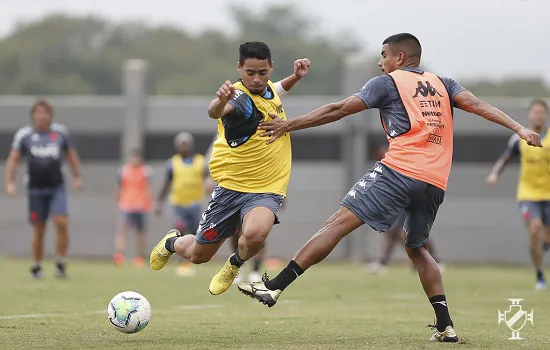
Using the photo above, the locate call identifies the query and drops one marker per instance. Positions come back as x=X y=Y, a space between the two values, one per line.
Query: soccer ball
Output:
x=129 y=312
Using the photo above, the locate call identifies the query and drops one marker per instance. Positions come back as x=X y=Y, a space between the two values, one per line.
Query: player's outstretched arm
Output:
x=301 y=67
x=219 y=106
x=498 y=167
x=323 y=115
x=466 y=101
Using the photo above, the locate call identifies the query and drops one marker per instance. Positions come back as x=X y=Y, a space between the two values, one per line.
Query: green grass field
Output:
x=332 y=306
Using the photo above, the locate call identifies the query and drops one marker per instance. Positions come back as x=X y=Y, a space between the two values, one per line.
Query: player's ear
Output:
x=239 y=67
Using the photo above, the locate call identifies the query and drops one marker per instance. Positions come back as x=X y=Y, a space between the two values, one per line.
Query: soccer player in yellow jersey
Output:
x=188 y=182
x=252 y=175
x=533 y=192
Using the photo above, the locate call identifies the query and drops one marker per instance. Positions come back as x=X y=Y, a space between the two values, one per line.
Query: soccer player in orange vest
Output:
x=135 y=199
x=416 y=111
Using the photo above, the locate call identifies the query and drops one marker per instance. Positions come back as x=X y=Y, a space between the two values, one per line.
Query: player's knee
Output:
x=535 y=226
x=60 y=222
x=199 y=258
x=255 y=236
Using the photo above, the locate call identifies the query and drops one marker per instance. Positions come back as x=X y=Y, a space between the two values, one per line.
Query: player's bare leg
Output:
x=37 y=244
x=256 y=225
x=120 y=243
x=430 y=277
x=535 y=230
x=234 y=246
x=546 y=241
x=62 y=226
x=339 y=225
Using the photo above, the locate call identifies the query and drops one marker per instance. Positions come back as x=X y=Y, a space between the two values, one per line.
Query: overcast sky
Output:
x=462 y=39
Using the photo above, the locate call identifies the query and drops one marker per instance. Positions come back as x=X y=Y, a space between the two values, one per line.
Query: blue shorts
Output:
x=226 y=209
x=44 y=202
x=186 y=219
x=136 y=219
x=383 y=194
x=535 y=210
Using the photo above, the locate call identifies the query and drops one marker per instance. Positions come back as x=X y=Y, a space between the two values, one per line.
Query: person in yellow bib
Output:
x=251 y=175
x=533 y=191
x=187 y=182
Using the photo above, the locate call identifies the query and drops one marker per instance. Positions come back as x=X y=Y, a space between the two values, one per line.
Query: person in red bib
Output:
x=135 y=199
x=416 y=112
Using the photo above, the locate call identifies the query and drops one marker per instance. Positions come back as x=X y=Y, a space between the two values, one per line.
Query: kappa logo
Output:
x=515 y=318
x=279 y=109
x=425 y=89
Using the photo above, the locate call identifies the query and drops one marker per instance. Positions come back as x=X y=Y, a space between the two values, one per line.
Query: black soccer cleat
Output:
x=258 y=291
x=60 y=270
x=36 y=272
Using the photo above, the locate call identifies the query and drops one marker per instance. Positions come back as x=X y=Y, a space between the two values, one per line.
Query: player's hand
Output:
x=275 y=128
x=492 y=179
x=77 y=183
x=226 y=92
x=301 y=67
x=532 y=138
x=11 y=190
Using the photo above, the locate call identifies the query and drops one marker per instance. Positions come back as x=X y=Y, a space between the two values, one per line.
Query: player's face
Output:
x=184 y=149
x=538 y=115
x=135 y=160
x=41 y=118
x=255 y=74
x=390 y=59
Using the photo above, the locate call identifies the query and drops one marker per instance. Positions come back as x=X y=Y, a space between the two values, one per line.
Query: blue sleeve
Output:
x=375 y=92
x=513 y=145
x=453 y=88
x=169 y=172
x=242 y=106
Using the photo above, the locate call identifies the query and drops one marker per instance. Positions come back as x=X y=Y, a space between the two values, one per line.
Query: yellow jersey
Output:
x=188 y=185
x=534 y=176
x=242 y=160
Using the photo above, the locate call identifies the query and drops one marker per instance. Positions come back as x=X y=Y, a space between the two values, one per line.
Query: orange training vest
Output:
x=134 y=189
x=425 y=152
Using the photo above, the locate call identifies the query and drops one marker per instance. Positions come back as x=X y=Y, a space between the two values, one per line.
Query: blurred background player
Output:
x=394 y=236
x=188 y=181
x=44 y=144
x=135 y=199
x=533 y=191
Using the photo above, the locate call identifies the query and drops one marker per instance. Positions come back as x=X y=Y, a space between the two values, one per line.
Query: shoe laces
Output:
x=229 y=274
x=265 y=277
x=432 y=326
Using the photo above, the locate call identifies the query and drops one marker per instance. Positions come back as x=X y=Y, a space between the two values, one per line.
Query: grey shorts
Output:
x=383 y=194
x=136 y=219
x=46 y=202
x=536 y=210
x=186 y=219
x=226 y=209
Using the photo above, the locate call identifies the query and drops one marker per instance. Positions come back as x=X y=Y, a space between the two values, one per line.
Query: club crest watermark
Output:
x=515 y=318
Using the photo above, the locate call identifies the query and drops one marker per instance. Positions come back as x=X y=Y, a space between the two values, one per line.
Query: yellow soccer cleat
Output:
x=223 y=279
x=160 y=255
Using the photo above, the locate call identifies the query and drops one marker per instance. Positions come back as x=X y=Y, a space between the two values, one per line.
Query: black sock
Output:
x=236 y=260
x=384 y=261
x=285 y=277
x=545 y=246
x=443 y=319
x=257 y=264
x=540 y=275
x=169 y=245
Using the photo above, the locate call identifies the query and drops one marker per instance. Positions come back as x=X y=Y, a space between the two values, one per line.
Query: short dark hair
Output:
x=42 y=103
x=540 y=102
x=135 y=152
x=254 y=49
x=412 y=44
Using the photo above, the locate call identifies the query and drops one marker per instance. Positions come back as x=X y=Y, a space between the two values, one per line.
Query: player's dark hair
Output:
x=414 y=49
x=540 y=102
x=42 y=103
x=254 y=49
